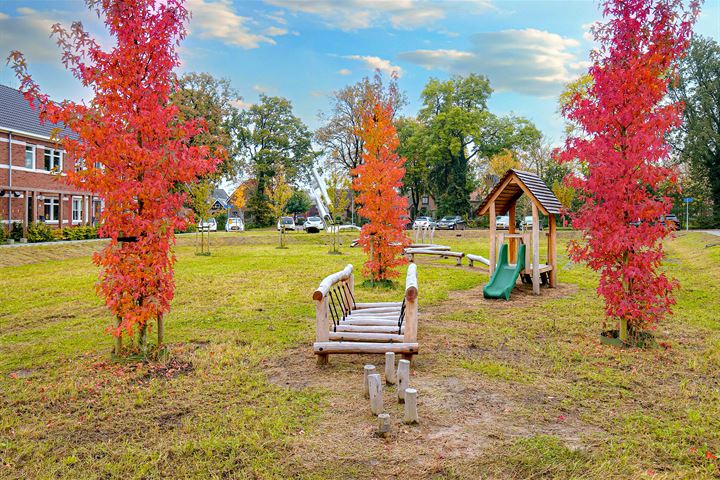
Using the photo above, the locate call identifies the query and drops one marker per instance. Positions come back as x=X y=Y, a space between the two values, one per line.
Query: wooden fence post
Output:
x=367 y=371
x=376 y=393
x=390 y=377
x=411 y=415
x=403 y=379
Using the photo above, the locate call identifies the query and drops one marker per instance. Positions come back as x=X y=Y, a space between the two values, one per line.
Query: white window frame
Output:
x=53 y=158
x=76 y=201
x=33 y=149
x=51 y=201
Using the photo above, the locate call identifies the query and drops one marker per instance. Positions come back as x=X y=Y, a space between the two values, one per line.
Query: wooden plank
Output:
x=360 y=305
x=493 y=254
x=535 y=249
x=552 y=255
x=324 y=348
x=321 y=320
x=477 y=258
x=365 y=337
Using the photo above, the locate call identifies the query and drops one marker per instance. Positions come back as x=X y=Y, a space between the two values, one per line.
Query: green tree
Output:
x=413 y=146
x=278 y=193
x=460 y=129
x=698 y=139
x=299 y=202
x=338 y=187
x=270 y=137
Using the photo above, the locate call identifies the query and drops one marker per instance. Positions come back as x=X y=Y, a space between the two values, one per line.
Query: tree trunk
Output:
x=118 y=339
x=160 y=330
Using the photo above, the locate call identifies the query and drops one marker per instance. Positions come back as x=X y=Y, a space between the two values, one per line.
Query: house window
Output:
x=425 y=200
x=77 y=209
x=53 y=160
x=52 y=210
x=29 y=156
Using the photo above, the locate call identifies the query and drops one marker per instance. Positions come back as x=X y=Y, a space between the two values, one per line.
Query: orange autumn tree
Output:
x=377 y=182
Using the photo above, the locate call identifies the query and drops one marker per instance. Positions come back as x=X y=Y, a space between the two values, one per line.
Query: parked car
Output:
x=314 y=225
x=234 y=224
x=671 y=220
x=209 y=225
x=502 y=221
x=451 y=223
x=528 y=223
x=286 y=223
x=423 y=222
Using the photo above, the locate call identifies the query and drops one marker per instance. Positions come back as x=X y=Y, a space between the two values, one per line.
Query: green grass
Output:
x=244 y=316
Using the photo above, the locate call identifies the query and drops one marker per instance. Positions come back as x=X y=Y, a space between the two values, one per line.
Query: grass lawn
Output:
x=518 y=389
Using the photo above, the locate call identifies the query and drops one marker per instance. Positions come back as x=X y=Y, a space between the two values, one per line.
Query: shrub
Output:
x=79 y=233
x=3 y=234
x=16 y=233
x=40 y=232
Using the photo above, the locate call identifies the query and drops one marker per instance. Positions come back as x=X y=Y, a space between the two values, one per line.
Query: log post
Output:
x=411 y=305
x=493 y=226
x=322 y=332
x=513 y=242
x=552 y=255
x=390 y=372
x=376 y=393
x=383 y=425
x=535 y=250
x=411 y=415
x=403 y=379
x=367 y=371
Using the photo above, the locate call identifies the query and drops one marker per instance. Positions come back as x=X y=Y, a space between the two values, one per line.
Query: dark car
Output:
x=671 y=221
x=451 y=223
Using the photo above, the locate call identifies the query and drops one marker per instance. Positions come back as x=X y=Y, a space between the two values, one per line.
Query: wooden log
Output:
x=369 y=328
x=373 y=310
x=365 y=347
x=535 y=250
x=361 y=306
x=383 y=425
x=552 y=254
x=403 y=379
x=366 y=337
x=430 y=251
x=376 y=394
x=472 y=258
x=384 y=322
x=411 y=415
x=411 y=284
x=493 y=226
x=321 y=319
x=367 y=371
x=390 y=372
x=328 y=282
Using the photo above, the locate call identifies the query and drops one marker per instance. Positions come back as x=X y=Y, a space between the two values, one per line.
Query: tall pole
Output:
x=687 y=216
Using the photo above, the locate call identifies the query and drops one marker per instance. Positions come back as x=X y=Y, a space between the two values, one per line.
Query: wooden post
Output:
x=25 y=214
x=390 y=377
x=411 y=306
x=383 y=425
x=367 y=371
x=376 y=393
x=411 y=415
x=322 y=334
x=552 y=245
x=403 y=379
x=513 y=242
x=535 y=250
x=493 y=259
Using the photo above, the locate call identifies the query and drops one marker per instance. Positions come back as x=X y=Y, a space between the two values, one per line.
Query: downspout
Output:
x=9 y=226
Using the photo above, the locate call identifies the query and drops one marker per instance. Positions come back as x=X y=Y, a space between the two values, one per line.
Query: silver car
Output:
x=314 y=225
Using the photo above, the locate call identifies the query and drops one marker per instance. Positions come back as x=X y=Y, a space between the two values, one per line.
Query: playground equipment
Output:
x=346 y=326
x=502 y=200
x=442 y=253
x=424 y=234
x=505 y=275
x=472 y=258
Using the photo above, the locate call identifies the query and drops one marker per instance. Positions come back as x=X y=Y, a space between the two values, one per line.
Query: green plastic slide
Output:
x=503 y=278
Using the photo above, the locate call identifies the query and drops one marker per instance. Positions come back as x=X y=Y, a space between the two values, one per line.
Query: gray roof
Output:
x=512 y=191
x=16 y=114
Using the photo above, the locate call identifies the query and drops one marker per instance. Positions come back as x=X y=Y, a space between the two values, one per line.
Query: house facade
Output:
x=32 y=166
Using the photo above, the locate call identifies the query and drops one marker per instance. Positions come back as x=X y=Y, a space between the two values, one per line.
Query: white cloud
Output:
x=528 y=61
x=240 y=104
x=351 y=15
x=587 y=30
x=377 y=63
x=275 y=31
x=217 y=19
x=29 y=32
x=344 y=71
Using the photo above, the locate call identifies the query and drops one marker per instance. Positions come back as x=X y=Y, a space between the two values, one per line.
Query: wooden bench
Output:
x=343 y=325
x=472 y=258
x=411 y=252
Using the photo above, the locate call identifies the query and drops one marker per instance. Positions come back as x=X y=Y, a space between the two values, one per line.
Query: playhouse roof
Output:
x=511 y=187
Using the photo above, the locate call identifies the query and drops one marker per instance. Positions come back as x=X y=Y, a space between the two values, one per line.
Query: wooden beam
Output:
x=536 y=249
x=493 y=255
x=321 y=320
x=324 y=348
x=512 y=253
x=552 y=254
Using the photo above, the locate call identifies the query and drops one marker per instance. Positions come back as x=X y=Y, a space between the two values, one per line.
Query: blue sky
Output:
x=305 y=49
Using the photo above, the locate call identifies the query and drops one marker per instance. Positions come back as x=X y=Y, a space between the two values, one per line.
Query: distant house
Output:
x=31 y=170
x=219 y=200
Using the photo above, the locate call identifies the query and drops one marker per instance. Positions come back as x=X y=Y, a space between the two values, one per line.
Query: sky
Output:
x=306 y=49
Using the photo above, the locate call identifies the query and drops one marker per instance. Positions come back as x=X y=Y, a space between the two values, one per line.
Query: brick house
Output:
x=31 y=167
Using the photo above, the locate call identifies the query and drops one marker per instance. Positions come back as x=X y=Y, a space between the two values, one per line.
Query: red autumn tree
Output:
x=623 y=120
x=377 y=182
x=133 y=151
